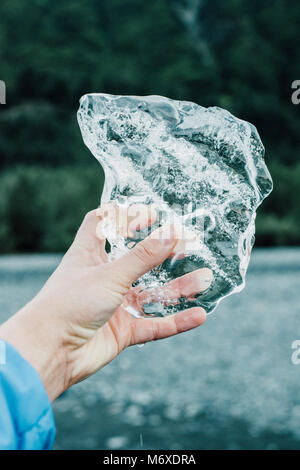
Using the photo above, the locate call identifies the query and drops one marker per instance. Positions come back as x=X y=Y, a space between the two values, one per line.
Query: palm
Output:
x=120 y=330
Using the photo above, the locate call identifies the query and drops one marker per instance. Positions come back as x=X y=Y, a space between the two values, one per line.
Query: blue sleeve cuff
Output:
x=26 y=417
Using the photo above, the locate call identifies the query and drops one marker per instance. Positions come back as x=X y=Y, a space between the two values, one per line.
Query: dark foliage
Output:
x=239 y=54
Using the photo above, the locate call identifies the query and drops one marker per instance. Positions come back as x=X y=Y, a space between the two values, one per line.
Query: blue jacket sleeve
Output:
x=26 y=417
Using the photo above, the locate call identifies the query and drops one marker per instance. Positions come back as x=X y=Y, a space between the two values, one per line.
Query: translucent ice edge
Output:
x=200 y=167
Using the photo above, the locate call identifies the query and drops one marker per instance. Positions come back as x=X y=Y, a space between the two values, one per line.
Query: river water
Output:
x=230 y=384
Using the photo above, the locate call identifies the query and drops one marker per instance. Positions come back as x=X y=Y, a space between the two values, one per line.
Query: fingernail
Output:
x=166 y=235
x=204 y=279
x=198 y=314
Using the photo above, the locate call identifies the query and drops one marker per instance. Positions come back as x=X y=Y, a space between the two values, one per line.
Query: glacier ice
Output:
x=200 y=169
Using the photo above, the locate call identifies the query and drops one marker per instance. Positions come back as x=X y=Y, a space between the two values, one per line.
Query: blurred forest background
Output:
x=242 y=55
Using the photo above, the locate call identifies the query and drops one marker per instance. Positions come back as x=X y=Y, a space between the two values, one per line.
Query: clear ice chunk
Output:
x=200 y=169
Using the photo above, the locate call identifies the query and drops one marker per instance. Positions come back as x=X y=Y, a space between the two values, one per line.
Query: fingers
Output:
x=151 y=329
x=145 y=255
x=189 y=285
x=123 y=221
x=86 y=236
x=185 y=286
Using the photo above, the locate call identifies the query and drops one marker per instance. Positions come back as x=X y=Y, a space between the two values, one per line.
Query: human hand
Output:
x=76 y=324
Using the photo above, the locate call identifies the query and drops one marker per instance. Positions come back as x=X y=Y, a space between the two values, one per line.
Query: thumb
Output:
x=146 y=255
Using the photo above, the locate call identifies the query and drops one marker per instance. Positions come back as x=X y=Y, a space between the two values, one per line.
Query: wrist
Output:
x=35 y=334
